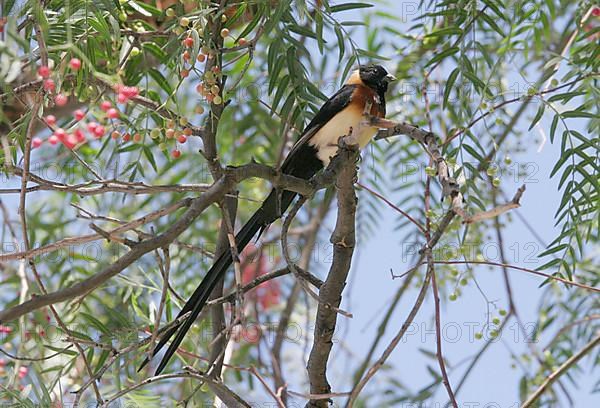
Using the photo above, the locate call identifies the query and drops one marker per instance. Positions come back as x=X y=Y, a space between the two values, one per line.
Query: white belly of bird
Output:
x=326 y=139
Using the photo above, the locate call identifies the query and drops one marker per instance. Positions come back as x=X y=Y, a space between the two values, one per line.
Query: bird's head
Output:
x=375 y=77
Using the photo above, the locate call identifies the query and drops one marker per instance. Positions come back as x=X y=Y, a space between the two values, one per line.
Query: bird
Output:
x=346 y=112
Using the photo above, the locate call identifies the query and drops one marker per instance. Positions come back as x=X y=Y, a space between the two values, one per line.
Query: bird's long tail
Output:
x=264 y=216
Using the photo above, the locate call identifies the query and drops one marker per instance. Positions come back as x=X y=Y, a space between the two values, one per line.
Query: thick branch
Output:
x=343 y=240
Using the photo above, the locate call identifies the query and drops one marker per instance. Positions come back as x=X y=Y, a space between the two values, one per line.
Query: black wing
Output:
x=300 y=151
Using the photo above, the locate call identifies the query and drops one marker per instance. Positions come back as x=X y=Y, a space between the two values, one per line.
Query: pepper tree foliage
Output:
x=472 y=71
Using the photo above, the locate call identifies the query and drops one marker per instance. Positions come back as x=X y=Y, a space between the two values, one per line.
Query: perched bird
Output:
x=344 y=113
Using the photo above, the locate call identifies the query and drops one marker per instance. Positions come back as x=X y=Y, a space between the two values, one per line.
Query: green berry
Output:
x=496 y=182
x=184 y=21
x=464 y=282
x=502 y=312
x=155 y=133
x=492 y=170
x=162 y=146
x=453 y=297
x=496 y=321
x=135 y=51
x=508 y=160
x=554 y=82
x=531 y=91
x=493 y=334
x=430 y=171
x=170 y=12
x=478 y=335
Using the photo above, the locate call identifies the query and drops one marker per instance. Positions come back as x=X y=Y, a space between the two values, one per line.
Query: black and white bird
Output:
x=344 y=113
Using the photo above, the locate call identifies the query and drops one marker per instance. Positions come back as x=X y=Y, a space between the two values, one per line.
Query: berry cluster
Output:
x=83 y=129
x=208 y=87
x=96 y=126
x=49 y=85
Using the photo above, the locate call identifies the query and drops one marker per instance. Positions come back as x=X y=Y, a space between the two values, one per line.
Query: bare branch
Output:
x=343 y=240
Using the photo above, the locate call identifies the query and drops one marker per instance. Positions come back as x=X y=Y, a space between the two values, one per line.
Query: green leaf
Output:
x=553 y=250
x=150 y=156
x=473 y=152
x=161 y=80
x=578 y=114
x=258 y=16
x=95 y=322
x=440 y=56
x=490 y=21
x=371 y=54
x=144 y=9
x=449 y=84
x=155 y=50
x=302 y=31
x=340 y=43
x=319 y=30
x=348 y=6
x=538 y=115
x=553 y=127
x=445 y=32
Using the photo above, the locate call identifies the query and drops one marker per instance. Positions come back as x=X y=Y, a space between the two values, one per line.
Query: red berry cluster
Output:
x=125 y=93
x=97 y=128
x=50 y=86
x=180 y=135
x=78 y=135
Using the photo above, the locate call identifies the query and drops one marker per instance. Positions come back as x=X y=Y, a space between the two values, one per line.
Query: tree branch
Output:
x=343 y=240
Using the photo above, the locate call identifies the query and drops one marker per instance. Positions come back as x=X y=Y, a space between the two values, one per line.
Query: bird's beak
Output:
x=390 y=78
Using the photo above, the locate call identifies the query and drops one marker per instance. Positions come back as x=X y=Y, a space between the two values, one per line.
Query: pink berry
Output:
x=92 y=126
x=70 y=141
x=132 y=91
x=79 y=135
x=188 y=42
x=23 y=372
x=182 y=139
x=75 y=64
x=53 y=139
x=122 y=98
x=79 y=114
x=60 y=133
x=112 y=113
x=44 y=71
x=49 y=85
x=175 y=154
x=36 y=142
x=596 y=11
x=99 y=131
x=60 y=100
x=51 y=120
x=105 y=105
